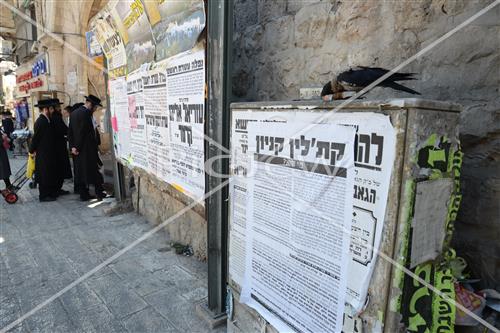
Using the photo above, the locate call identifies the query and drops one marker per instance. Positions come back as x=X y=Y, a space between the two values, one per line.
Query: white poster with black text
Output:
x=298 y=223
x=186 y=107
x=157 y=123
x=375 y=146
x=138 y=138
x=120 y=118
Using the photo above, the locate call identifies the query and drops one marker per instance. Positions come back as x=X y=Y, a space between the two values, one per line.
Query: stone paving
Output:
x=46 y=246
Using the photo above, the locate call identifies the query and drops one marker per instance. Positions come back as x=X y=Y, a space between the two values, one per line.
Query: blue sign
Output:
x=39 y=67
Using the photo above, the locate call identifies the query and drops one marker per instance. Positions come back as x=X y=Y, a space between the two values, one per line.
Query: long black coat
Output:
x=82 y=136
x=42 y=143
x=61 y=146
x=5 y=171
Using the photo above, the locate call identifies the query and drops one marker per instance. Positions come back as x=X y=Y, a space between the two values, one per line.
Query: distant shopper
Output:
x=8 y=127
x=4 y=163
x=84 y=147
x=63 y=167
x=42 y=146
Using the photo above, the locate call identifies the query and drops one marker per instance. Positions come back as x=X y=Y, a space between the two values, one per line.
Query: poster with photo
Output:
x=106 y=34
x=176 y=25
x=134 y=28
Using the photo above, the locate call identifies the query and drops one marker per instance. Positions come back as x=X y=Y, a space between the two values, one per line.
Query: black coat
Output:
x=82 y=136
x=61 y=146
x=42 y=143
x=8 y=126
x=5 y=171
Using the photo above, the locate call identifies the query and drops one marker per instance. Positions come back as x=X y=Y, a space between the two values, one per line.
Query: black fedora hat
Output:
x=93 y=99
x=55 y=101
x=76 y=106
x=45 y=103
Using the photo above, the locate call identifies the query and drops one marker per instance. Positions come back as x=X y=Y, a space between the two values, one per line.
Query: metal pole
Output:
x=219 y=21
x=117 y=170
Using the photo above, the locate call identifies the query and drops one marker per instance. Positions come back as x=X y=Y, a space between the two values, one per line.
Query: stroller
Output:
x=10 y=194
x=21 y=138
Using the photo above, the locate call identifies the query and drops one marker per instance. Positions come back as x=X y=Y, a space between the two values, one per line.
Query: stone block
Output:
x=311 y=24
x=148 y=320
x=278 y=34
x=293 y=6
x=120 y=300
x=268 y=10
x=245 y=14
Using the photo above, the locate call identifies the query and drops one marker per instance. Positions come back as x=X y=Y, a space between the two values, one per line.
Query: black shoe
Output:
x=63 y=192
x=47 y=199
x=86 y=197
x=102 y=195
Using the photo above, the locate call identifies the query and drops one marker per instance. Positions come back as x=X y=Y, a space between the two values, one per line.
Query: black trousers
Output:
x=83 y=189
x=46 y=191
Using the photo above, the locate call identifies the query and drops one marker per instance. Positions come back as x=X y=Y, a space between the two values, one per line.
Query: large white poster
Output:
x=186 y=107
x=120 y=118
x=298 y=221
x=157 y=123
x=238 y=187
x=138 y=137
x=374 y=154
x=375 y=151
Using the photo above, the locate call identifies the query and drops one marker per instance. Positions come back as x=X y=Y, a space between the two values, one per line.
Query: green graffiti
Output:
x=443 y=309
x=425 y=311
x=407 y=213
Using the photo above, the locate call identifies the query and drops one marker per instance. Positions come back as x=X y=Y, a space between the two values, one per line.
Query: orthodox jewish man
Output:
x=42 y=146
x=84 y=148
x=60 y=129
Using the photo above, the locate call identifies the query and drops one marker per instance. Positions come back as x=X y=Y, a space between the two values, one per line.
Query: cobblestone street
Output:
x=46 y=246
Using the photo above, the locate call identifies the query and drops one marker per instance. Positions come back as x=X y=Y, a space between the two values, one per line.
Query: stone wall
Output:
x=158 y=201
x=281 y=46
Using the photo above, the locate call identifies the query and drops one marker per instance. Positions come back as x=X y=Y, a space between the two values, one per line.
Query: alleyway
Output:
x=47 y=246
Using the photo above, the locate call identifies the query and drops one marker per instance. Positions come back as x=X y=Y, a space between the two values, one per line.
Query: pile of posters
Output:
x=156 y=87
x=158 y=121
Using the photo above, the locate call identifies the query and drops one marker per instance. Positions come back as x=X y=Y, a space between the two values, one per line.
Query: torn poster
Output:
x=119 y=110
x=299 y=220
x=429 y=222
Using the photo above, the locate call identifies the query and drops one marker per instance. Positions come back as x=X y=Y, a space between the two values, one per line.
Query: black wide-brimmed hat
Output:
x=56 y=101
x=76 y=106
x=93 y=99
x=45 y=103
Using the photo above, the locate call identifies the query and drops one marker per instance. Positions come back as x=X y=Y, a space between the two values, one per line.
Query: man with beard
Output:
x=63 y=167
x=42 y=147
x=82 y=131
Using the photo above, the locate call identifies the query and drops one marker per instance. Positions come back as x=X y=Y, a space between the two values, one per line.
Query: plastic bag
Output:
x=30 y=167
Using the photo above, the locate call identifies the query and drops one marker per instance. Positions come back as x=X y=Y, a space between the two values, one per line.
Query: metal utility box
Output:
x=426 y=150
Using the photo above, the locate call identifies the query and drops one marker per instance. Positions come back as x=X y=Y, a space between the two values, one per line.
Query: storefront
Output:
x=32 y=84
